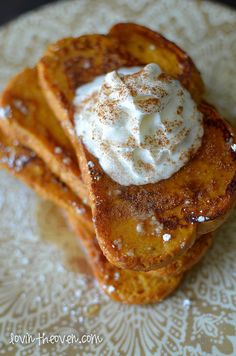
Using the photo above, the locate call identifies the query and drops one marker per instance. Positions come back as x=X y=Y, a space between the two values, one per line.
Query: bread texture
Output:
x=30 y=121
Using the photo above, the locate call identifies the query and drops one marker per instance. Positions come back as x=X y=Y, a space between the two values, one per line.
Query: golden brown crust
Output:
x=33 y=124
x=193 y=201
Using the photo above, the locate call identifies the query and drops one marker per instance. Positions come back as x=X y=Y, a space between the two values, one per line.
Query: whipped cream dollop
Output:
x=140 y=123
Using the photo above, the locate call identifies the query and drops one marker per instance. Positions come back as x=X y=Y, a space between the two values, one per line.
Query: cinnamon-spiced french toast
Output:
x=133 y=222
x=26 y=116
x=121 y=285
x=143 y=226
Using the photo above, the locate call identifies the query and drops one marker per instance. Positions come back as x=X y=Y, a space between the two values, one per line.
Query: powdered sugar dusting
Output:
x=233 y=147
x=110 y=289
x=202 y=218
x=79 y=209
x=66 y=161
x=21 y=106
x=139 y=228
x=166 y=237
x=15 y=161
x=5 y=112
x=90 y=164
x=58 y=150
x=117 y=244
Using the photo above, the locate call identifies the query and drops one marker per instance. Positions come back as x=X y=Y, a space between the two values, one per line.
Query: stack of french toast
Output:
x=140 y=238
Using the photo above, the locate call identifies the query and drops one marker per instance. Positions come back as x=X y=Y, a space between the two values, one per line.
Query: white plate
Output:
x=42 y=288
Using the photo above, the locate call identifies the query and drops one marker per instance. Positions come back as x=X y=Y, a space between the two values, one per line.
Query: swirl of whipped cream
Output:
x=141 y=125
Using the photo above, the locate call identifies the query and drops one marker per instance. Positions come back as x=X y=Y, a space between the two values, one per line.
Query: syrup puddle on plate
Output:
x=54 y=229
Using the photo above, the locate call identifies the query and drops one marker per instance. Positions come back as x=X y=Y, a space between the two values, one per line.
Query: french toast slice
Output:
x=29 y=119
x=192 y=202
x=121 y=285
x=31 y=170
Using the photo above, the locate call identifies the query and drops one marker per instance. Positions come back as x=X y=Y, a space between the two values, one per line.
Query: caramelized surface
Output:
x=193 y=201
x=32 y=123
